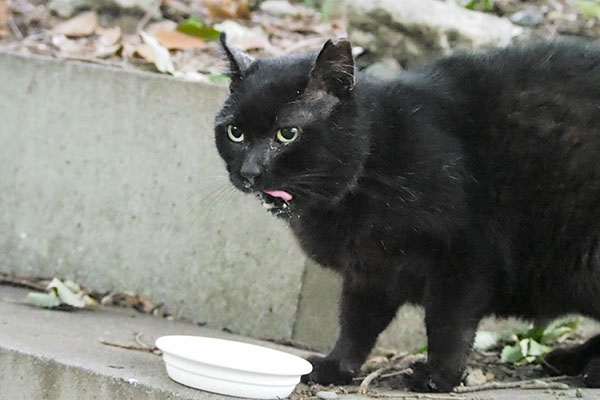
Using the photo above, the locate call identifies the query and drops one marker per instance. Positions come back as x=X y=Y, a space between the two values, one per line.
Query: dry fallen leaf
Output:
x=3 y=19
x=83 y=24
x=144 y=51
x=71 y=46
x=227 y=9
x=245 y=38
x=375 y=363
x=129 y=300
x=164 y=25
x=177 y=40
x=108 y=36
x=162 y=58
x=105 y=52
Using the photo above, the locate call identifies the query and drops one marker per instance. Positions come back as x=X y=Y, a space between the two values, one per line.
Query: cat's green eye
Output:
x=288 y=134
x=235 y=134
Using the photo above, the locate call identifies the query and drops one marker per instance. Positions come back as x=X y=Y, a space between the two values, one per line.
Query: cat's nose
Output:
x=250 y=171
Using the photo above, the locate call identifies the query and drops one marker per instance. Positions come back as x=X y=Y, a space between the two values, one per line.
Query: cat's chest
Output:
x=342 y=239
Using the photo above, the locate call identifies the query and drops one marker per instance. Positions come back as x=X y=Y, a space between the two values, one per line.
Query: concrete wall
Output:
x=110 y=177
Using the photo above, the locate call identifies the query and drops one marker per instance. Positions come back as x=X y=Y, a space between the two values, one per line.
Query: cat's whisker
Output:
x=210 y=200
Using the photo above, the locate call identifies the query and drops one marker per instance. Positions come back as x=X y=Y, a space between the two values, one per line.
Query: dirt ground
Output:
x=113 y=37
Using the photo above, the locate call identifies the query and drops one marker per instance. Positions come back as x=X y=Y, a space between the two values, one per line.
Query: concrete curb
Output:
x=110 y=178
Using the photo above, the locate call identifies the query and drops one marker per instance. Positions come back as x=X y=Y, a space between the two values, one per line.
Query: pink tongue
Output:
x=280 y=193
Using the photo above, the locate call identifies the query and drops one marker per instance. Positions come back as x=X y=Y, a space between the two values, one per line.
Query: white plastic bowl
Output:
x=231 y=368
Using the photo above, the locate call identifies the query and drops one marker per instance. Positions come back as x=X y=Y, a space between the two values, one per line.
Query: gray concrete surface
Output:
x=110 y=177
x=49 y=355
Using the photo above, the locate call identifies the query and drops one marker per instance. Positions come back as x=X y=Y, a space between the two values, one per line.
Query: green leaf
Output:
x=557 y=329
x=588 y=8
x=76 y=299
x=421 y=350
x=534 y=333
x=511 y=354
x=524 y=352
x=219 y=78
x=73 y=287
x=66 y=295
x=537 y=349
x=483 y=5
x=195 y=27
x=46 y=300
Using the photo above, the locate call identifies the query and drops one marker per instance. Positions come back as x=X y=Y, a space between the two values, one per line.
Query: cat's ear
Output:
x=333 y=70
x=239 y=62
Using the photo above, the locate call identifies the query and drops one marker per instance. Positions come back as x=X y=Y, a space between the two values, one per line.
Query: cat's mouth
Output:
x=276 y=201
x=282 y=194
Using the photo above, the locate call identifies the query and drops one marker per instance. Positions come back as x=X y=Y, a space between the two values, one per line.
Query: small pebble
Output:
x=327 y=395
x=278 y=8
x=528 y=18
x=578 y=393
x=475 y=377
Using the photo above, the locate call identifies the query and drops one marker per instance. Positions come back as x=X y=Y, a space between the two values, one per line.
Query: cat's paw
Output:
x=591 y=373
x=567 y=361
x=329 y=371
x=424 y=379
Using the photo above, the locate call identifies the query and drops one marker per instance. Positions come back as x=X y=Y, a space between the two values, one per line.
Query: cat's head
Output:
x=288 y=129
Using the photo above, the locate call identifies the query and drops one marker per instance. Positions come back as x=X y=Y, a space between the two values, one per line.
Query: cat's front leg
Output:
x=452 y=313
x=365 y=311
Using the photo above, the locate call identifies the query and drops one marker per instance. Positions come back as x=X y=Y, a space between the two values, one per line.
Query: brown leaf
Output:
x=83 y=24
x=164 y=25
x=3 y=19
x=145 y=51
x=105 y=52
x=227 y=9
x=72 y=46
x=178 y=40
x=108 y=36
x=129 y=300
x=3 y=13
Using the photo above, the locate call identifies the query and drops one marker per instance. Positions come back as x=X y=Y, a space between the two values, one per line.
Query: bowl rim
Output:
x=303 y=366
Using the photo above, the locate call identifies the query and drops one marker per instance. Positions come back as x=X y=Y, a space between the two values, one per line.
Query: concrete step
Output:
x=46 y=354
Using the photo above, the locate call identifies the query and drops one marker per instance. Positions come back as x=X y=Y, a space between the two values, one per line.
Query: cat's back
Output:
x=528 y=118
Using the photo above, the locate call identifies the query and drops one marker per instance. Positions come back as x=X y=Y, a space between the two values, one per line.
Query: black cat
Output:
x=470 y=186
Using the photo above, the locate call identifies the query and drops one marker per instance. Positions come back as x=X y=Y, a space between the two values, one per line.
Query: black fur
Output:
x=470 y=186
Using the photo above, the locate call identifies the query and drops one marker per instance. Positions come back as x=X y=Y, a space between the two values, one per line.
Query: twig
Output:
x=545 y=383
x=40 y=285
x=364 y=385
x=399 y=356
x=15 y=29
x=138 y=339
x=396 y=373
x=549 y=366
x=417 y=396
x=146 y=349
x=94 y=60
